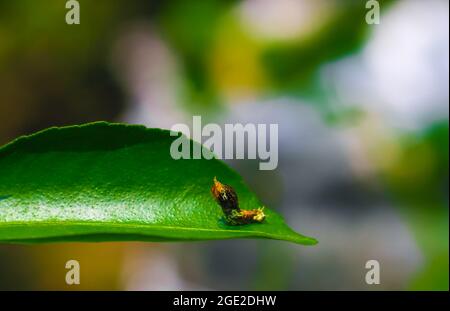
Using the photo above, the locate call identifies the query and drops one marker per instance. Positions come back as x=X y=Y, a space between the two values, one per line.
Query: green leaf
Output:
x=115 y=182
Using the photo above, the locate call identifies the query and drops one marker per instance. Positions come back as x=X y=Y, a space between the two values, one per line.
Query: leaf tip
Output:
x=304 y=240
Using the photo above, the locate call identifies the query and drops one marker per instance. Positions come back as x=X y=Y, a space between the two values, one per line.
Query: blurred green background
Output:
x=363 y=112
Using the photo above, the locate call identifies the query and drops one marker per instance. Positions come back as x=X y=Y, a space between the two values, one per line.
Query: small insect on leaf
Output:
x=228 y=200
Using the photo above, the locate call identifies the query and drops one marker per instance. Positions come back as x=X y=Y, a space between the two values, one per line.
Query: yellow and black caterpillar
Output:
x=228 y=200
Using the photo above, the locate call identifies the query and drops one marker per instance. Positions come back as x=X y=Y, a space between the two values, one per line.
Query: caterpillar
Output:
x=227 y=198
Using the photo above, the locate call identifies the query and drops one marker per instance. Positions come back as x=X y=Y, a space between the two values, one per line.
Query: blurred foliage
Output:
x=419 y=179
x=42 y=59
x=52 y=73
x=421 y=173
x=222 y=54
